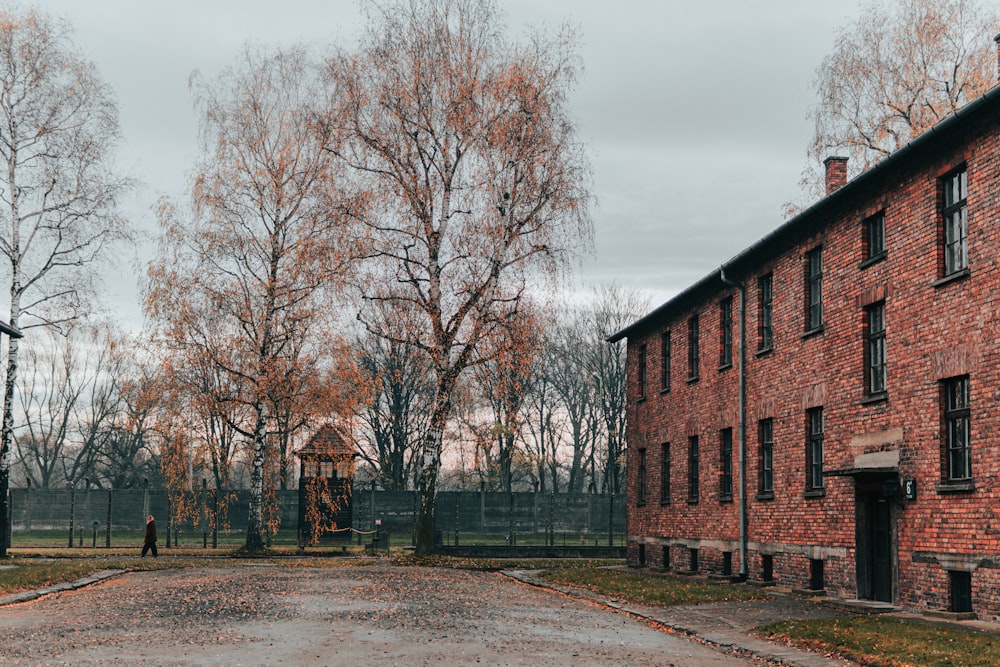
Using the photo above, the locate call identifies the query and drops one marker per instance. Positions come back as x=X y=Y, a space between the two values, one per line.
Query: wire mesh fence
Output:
x=106 y=518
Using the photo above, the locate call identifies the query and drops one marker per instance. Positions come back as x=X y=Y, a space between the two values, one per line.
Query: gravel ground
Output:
x=380 y=614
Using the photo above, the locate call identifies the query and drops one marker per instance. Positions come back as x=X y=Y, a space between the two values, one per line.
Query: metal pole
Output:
x=204 y=513
x=107 y=536
x=72 y=510
x=611 y=519
x=215 y=518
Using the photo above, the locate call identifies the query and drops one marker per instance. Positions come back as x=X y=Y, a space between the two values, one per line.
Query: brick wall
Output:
x=935 y=329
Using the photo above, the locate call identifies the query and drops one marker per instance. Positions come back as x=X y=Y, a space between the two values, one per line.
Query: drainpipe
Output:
x=744 y=572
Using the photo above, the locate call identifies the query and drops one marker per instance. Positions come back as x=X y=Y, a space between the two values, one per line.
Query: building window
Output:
x=956 y=223
x=875 y=349
x=874 y=237
x=665 y=361
x=765 y=485
x=957 y=430
x=814 y=449
x=665 y=474
x=765 y=322
x=814 y=289
x=726 y=332
x=693 y=479
x=693 y=348
x=726 y=464
x=642 y=372
x=640 y=492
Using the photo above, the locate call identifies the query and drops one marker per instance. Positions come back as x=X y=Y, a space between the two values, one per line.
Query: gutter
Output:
x=13 y=332
x=744 y=570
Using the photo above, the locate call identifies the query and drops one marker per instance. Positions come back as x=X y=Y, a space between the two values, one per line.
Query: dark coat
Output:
x=150 y=532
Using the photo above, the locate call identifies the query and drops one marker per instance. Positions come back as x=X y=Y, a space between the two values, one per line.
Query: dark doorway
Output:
x=876 y=556
x=881 y=550
x=961 y=591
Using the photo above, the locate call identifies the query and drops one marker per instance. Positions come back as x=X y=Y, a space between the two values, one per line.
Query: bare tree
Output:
x=570 y=376
x=613 y=309
x=246 y=281
x=895 y=72
x=55 y=380
x=544 y=425
x=477 y=181
x=503 y=379
x=58 y=192
x=396 y=412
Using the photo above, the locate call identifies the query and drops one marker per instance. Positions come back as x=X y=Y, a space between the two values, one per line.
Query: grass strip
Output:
x=888 y=642
x=650 y=588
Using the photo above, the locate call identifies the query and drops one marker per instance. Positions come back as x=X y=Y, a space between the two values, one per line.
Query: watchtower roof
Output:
x=328 y=442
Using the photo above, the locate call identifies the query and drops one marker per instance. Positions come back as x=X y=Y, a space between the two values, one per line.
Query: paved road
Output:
x=379 y=615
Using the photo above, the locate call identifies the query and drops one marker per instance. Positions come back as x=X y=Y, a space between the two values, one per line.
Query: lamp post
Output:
x=8 y=427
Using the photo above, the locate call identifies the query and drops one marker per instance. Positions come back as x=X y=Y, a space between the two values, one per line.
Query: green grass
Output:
x=650 y=588
x=123 y=538
x=873 y=640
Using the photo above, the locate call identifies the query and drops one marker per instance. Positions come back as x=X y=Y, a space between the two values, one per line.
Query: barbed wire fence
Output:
x=117 y=517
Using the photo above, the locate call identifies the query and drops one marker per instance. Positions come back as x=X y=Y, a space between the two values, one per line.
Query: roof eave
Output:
x=865 y=179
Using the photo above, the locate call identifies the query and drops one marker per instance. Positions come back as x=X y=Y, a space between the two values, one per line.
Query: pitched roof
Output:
x=327 y=441
x=744 y=262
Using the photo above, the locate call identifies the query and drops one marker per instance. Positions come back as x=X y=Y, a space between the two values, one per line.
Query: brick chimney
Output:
x=836 y=173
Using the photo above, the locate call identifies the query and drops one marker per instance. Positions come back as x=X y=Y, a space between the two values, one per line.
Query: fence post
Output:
x=510 y=516
x=8 y=521
x=458 y=495
x=552 y=526
x=215 y=518
x=72 y=511
x=168 y=520
x=611 y=519
x=145 y=500
x=413 y=530
x=107 y=535
x=204 y=513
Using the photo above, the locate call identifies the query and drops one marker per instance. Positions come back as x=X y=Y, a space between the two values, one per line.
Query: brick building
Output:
x=824 y=410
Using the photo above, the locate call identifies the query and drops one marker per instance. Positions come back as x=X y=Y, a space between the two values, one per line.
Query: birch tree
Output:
x=478 y=182
x=58 y=190
x=895 y=72
x=245 y=279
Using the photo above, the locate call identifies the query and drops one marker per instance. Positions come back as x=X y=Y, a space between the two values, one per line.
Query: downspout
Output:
x=744 y=572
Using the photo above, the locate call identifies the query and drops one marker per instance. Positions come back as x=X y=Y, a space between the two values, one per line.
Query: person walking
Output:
x=150 y=542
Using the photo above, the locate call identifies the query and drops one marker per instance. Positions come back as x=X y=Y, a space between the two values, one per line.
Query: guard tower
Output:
x=325 y=487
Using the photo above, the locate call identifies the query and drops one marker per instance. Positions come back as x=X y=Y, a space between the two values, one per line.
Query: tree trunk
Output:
x=255 y=520
x=431 y=465
x=7 y=432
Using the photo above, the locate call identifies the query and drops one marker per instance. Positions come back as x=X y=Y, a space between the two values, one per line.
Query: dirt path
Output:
x=379 y=615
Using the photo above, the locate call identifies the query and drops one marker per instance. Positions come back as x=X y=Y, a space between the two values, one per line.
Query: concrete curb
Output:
x=28 y=596
x=734 y=641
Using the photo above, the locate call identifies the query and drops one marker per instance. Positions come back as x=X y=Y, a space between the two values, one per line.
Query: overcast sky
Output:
x=695 y=112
